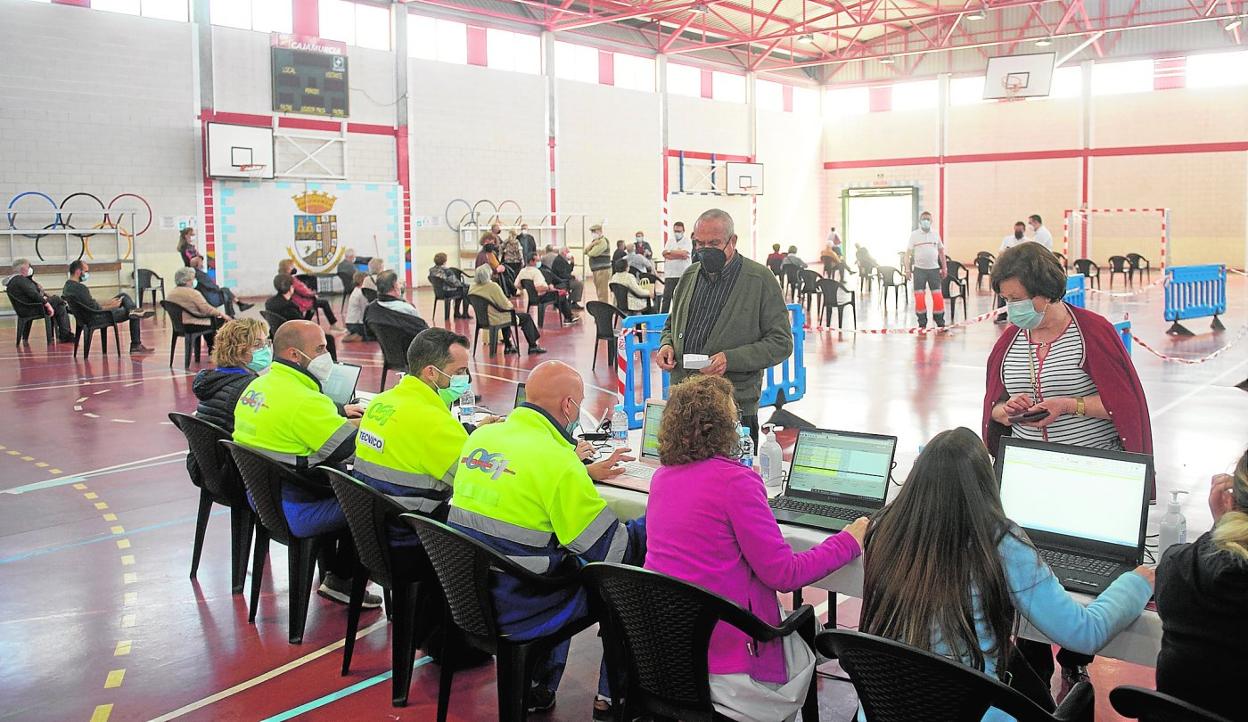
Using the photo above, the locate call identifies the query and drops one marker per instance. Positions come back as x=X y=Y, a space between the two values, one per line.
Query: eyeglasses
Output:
x=713 y=243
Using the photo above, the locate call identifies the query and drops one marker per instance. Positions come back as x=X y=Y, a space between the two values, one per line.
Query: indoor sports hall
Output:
x=1024 y=220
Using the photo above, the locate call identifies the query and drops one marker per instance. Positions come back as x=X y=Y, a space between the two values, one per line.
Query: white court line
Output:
x=77 y=408
x=90 y=415
x=122 y=421
x=1196 y=390
x=244 y=686
x=74 y=478
x=103 y=391
x=79 y=401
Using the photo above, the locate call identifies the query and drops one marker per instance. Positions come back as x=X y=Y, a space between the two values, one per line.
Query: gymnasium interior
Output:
x=404 y=129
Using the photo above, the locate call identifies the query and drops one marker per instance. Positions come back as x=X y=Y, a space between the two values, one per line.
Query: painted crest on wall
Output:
x=314 y=247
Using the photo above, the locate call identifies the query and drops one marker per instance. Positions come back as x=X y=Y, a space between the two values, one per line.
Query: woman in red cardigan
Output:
x=1068 y=363
x=305 y=298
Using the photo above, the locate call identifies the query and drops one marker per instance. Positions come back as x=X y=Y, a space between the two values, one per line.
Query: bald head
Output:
x=557 y=389
x=298 y=342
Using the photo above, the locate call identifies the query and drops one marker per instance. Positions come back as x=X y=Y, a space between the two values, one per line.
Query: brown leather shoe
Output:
x=140 y=348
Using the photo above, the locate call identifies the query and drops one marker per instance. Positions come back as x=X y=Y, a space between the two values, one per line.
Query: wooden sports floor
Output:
x=98 y=619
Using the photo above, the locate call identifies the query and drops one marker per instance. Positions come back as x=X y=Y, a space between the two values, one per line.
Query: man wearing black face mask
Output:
x=729 y=308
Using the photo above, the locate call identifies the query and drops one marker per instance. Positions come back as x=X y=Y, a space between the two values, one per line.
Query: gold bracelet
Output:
x=1081 y=408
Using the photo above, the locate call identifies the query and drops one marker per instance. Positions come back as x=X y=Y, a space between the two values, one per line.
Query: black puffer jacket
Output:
x=218 y=391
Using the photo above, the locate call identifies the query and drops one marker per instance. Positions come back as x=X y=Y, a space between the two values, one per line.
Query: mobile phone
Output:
x=1029 y=416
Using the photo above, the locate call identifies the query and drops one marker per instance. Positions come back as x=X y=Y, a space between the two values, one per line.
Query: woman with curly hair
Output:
x=242 y=351
x=708 y=523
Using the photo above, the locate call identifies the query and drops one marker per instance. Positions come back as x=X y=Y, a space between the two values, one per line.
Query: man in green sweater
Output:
x=731 y=309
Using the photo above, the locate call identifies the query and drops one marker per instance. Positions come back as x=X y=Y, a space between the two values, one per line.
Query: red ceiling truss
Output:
x=779 y=35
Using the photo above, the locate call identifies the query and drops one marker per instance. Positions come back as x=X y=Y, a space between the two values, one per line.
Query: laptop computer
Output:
x=834 y=478
x=1085 y=510
x=648 y=456
x=340 y=386
x=520 y=395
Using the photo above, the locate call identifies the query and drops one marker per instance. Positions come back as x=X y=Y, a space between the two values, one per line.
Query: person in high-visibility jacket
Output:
x=284 y=415
x=522 y=488
x=409 y=442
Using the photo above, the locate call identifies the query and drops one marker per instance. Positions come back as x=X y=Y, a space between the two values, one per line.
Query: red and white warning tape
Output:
x=1243 y=331
x=1126 y=294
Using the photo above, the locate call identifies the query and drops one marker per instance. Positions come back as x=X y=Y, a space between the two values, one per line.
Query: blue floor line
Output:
x=102 y=538
x=335 y=696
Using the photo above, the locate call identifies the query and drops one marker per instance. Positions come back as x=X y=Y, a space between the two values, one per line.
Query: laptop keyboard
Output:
x=638 y=471
x=805 y=507
x=1078 y=563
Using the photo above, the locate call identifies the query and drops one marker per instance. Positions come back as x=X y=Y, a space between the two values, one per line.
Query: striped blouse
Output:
x=1060 y=374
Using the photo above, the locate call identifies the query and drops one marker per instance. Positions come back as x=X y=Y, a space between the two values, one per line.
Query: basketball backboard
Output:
x=745 y=179
x=1011 y=77
x=239 y=151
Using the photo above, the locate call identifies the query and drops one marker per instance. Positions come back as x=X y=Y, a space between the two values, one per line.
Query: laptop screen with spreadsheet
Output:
x=841 y=465
x=650 y=430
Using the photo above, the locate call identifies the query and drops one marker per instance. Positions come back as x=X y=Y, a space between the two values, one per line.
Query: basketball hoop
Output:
x=1013 y=87
x=253 y=171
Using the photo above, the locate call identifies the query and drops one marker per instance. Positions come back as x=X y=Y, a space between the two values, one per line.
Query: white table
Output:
x=1138 y=643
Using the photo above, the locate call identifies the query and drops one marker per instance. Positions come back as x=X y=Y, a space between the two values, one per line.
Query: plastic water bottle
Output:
x=1173 y=526
x=746 y=446
x=467 y=406
x=619 y=427
x=771 y=459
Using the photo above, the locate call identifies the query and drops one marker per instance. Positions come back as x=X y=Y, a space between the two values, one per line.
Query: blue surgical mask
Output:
x=926 y=225
x=261 y=359
x=85 y=275
x=575 y=423
x=1023 y=314
x=460 y=384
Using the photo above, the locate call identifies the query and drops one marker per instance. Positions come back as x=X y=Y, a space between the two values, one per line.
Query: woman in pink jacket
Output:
x=708 y=523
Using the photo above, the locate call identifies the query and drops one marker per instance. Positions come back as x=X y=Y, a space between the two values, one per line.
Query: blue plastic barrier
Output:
x=639 y=384
x=1075 y=294
x=1195 y=292
x=1124 y=332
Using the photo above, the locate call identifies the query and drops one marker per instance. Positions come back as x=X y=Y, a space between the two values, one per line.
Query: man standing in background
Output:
x=598 y=254
x=1040 y=234
x=925 y=255
x=641 y=246
x=676 y=257
x=528 y=244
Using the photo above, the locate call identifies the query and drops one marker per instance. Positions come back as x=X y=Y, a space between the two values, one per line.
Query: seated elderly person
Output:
x=639 y=261
x=347 y=264
x=639 y=294
x=545 y=288
x=198 y=313
x=390 y=307
x=23 y=288
x=792 y=259
x=121 y=307
x=502 y=312
x=212 y=293
x=452 y=282
x=305 y=298
x=282 y=305
x=563 y=268
x=375 y=266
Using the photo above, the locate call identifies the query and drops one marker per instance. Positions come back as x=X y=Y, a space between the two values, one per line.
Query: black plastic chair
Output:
x=1152 y=706
x=956 y=287
x=1061 y=258
x=191 y=334
x=264 y=478
x=150 y=281
x=369 y=294
x=273 y=320
x=1088 y=268
x=891 y=278
x=220 y=484
x=866 y=274
x=88 y=321
x=481 y=310
x=1140 y=265
x=605 y=316
x=1118 y=266
x=792 y=280
x=621 y=294
x=27 y=314
x=983 y=268
x=370 y=516
x=807 y=288
x=530 y=290
x=347 y=279
x=440 y=294
x=832 y=290
x=662 y=628
x=464 y=567
x=394 y=341
x=898 y=683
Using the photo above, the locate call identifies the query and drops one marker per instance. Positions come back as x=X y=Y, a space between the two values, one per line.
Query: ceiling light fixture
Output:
x=887 y=60
x=808 y=38
x=975 y=15
x=1044 y=42
x=1233 y=24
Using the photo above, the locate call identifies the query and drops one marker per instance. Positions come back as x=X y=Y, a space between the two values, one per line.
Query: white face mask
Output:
x=30 y=271
x=320 y=367
x=679 y=235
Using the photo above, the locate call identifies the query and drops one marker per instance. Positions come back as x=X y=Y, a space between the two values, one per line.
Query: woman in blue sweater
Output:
x=947 y=572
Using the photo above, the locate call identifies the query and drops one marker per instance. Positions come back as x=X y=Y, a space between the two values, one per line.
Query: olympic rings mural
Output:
x=63 y=214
